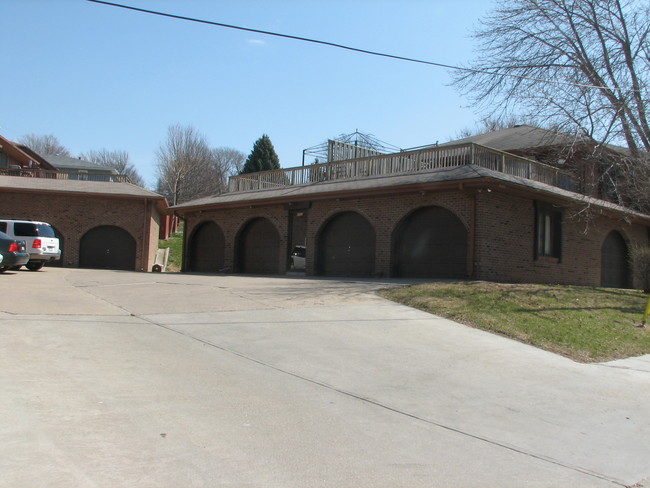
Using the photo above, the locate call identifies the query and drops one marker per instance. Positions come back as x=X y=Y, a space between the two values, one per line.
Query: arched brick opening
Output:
x=206 y=248
x=107 y=247
x=614 y=265
x=258 y=248
x=346 y=246
x=430 y=242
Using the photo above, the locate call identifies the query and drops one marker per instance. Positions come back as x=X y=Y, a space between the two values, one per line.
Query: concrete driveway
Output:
x=118 y=379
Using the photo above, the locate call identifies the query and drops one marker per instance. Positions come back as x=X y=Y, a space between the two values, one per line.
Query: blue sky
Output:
x=103 y=77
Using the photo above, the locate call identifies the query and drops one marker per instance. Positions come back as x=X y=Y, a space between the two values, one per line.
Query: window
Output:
x=548 y=231
x=4 y=160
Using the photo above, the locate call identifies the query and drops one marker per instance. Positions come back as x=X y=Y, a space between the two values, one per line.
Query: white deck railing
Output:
x=406 y=162
x=59 y=175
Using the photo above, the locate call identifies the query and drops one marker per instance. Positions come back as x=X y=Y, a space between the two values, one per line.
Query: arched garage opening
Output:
x=614 y=267
x=431 y=242
x=346 y=246
x=258 y=248
x=107 y=247
x=206 y=248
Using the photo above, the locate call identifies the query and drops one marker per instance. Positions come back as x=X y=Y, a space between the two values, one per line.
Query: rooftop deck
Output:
x=406 y=162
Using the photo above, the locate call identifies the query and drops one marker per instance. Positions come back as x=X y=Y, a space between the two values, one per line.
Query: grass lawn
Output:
x=175 y=245
x=583 y=323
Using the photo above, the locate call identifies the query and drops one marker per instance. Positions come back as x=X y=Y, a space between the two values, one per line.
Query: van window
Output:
x=45 y=230
x=25 y=230
x=30 y=229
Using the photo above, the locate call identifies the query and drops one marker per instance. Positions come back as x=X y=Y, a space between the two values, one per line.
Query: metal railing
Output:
x=56 y=175
x=407 y=162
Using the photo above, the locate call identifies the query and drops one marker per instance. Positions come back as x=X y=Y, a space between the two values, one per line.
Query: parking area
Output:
x=113 y=378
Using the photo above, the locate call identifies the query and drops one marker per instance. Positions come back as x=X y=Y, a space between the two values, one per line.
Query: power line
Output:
x=342 y=46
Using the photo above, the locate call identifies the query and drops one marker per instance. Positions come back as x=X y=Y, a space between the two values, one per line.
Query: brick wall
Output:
x=501 y=233
x=505 y=243
x=233 y=221
x=74 y=215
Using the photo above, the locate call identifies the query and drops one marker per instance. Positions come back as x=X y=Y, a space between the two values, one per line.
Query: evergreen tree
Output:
x=262 y=157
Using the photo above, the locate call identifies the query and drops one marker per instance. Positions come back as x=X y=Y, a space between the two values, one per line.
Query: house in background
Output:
x=79 y=169
x=104 y=222
x=455 y=211
x=574 y=153
x=15 y=158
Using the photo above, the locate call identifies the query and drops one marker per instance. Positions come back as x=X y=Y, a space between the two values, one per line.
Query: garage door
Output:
x=430 y=243
x=206 y=248
x=258 y=248
x=107 y=247
x=614 y=267
x=346 y=246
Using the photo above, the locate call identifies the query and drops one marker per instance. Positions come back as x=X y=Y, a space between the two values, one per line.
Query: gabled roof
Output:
x=66 y=163
x=42 y=162
x=521 y=137
x=23 y=155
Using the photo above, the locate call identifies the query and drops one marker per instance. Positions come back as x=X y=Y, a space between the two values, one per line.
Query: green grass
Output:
x=583 y=323
x=175 y=245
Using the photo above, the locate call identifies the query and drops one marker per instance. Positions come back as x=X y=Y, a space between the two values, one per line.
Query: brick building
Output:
x=109 y=223
x=457 y=211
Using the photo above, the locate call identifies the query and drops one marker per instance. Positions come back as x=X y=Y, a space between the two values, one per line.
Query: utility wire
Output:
x=342 y=46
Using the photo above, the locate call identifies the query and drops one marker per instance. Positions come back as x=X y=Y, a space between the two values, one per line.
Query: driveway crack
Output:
x=390 y=408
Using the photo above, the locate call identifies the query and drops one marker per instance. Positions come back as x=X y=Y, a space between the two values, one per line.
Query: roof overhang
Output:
x=462 y=178
x=77 y=188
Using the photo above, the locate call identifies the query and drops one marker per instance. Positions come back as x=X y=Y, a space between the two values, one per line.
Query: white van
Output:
x=42 y=243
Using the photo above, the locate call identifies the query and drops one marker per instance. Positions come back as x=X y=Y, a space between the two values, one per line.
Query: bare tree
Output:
x=627 y=182
x=225 y=163
x=582 y=65
x=44 y=145
x=117 y=160
x=189 y=169
x=184 y=165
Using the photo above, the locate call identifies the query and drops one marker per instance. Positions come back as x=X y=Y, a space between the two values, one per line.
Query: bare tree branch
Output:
x=117 y=160
x=594 y=54
x=44 y=145
x=189 y=169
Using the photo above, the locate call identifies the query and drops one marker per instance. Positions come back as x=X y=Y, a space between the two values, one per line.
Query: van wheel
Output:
x=3 y=269
x=34 y=266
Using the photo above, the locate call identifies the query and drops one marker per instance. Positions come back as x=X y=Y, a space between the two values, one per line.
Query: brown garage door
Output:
x=206 y=249
x=107 y=247
x=346 y=246
x=258 y=248
x=430 y=243
x=614 y=268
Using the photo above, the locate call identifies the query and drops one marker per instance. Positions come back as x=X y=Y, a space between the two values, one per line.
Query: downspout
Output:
x=146 y=238
x=185 y=235
x=473 y=261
